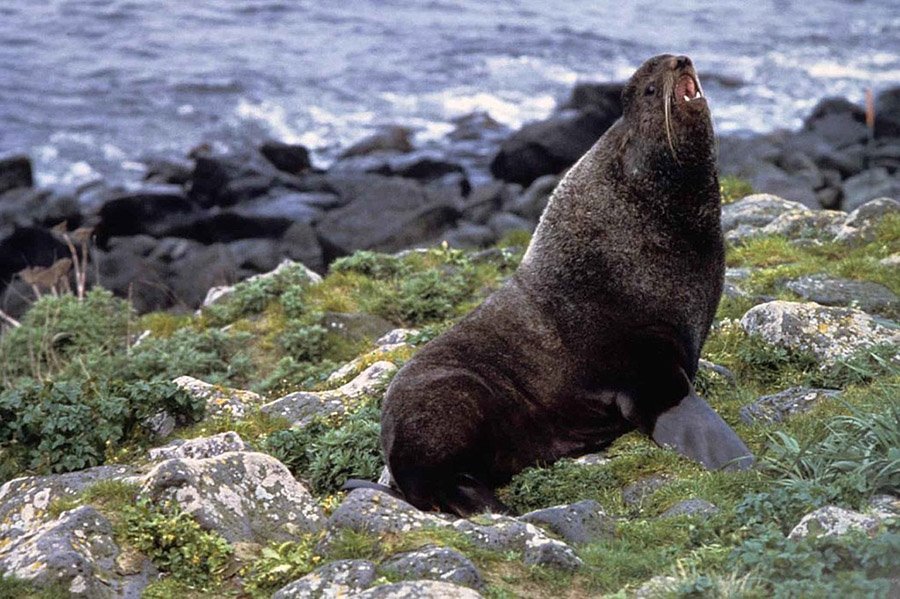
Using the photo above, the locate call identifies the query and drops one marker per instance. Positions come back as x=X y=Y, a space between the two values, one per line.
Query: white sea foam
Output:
x=80 y=173
x=270 y=115
x=529 y=66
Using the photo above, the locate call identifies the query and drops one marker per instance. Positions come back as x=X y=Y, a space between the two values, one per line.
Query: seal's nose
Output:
x=682 y=62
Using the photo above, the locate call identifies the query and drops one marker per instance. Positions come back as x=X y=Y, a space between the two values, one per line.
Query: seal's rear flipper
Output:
x=693 y=429
x=356 y=483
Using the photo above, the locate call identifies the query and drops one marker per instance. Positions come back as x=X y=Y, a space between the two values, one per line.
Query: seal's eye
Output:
x=651 y=89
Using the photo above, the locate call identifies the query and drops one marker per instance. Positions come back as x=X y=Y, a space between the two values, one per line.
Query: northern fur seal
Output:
x=599 y=330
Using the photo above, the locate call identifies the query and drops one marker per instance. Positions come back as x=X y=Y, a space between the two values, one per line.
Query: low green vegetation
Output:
x=733 y=188
x=79 y=380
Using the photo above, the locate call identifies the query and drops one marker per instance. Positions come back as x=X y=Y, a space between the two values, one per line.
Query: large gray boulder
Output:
x=832 y=291
x=76 y=550
x=435 y=563
x=830 y=334
x=580 y=522
x=220 y=401
x=244 y=496
x=861 y=224
x=419 y=589
x=200 y=448
x=757 y=211
x=833 y=521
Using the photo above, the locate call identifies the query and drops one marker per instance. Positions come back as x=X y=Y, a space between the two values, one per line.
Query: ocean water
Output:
x=90 y=87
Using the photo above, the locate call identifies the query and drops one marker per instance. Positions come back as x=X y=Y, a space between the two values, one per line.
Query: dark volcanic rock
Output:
x=148 y=211
x=384 y=213
x=168 y=170
x=838 y=121
x=223 y=180
x=474 y=126
x=866 y=295
x=868 y=185
x=15 y=171
x=127 y=270
x=301 y=244
x=581 y=522
x=549 y=147
x=290 y=158
x=887 y=113
x=28 y=246
x=391 y=139
x=229 y=226
x=24 y=206
x=603 y=97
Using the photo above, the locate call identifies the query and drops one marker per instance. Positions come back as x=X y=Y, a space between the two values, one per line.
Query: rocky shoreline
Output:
x=211 y=219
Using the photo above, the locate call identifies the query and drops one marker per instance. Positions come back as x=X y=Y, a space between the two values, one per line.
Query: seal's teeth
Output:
x=698 y=95
x=686 y=99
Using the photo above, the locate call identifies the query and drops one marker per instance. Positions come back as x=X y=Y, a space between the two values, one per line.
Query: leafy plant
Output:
x=279 y=564
x=177 y=544
x=734 y=188
x=563 y=482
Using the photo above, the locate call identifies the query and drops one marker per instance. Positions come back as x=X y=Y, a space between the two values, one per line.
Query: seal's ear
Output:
x=693 y=429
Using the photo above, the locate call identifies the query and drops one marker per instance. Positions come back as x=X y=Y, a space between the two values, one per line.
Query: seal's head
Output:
x=664 y=104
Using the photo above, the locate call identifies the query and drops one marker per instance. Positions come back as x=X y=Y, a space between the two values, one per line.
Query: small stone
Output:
x=884 y=507
x=777 y=407
x=658 y=586
x=828 y=291
x=592 y=459
x=861 y=224
x=580 y=522
x=691 y=507
x=397 y=336
x=338 y=579
x=757 y=211
x=635 y=493
x=436 y=563
x=497 y=532
x=552 y=553
x=833 y=521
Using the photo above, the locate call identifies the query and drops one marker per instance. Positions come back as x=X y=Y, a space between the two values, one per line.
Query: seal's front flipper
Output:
x=693 y=429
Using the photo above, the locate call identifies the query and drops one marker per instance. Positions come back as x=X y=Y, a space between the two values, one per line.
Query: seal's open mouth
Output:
x=687 y=89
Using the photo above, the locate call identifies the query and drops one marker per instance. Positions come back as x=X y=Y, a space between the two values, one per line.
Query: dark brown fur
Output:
x=598 y=332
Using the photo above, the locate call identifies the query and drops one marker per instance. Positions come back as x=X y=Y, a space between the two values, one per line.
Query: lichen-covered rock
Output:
x=829 y=333
x=592 y=459
x=860 y=225
x=829 y=291
x=634 y=493
x=884 y=507
x=777 y=407
x=24 y=501
x=244 y=496
x=373 y=512
x=832 y=521
x=690 y=507
x=397 y=336
x=76 y=549
x=302 y=407
x=220 y=400
x=658 y=586
x=419 y=589
x=217 y=294
x=757 y=210
x=356 y=364
x=200 y=448
x=436 y=563
x=806 y=224
x=580 y=522
x=338 y=579
x=504 y=533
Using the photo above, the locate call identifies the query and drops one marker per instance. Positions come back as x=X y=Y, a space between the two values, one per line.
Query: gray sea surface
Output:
x=90 y=87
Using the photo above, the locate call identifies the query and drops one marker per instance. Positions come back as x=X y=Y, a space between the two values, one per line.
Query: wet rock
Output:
x=244 y=496
x=15 y=171
x=869 y=185
x=76 y=549
x=768 y=178
x=467 y=236
x=355 y=327
x=204 y=267
x=390 y=139
x=28 y=246
x=224 y=227
x=604 y=97
x=838 y=121
x=340 y=578
x=861 y=224
x=223 y=179
x=634 y=494
x=531 y=204
x=474 y=126
x=290 y=158
x=436 y=563
x=691 y=507
x=549 y=147
x=26 y=206
x=303 y=406
x=297 y=207
x=757 y=211
x=220 y=400
x=24 y=502
x=865 y=295
x=781 y=405
x=168 y=169
x=580 y=522
x=200 y=448
x=833 y=521
x=419 y=589
x=484 y=200
x=830 y=334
